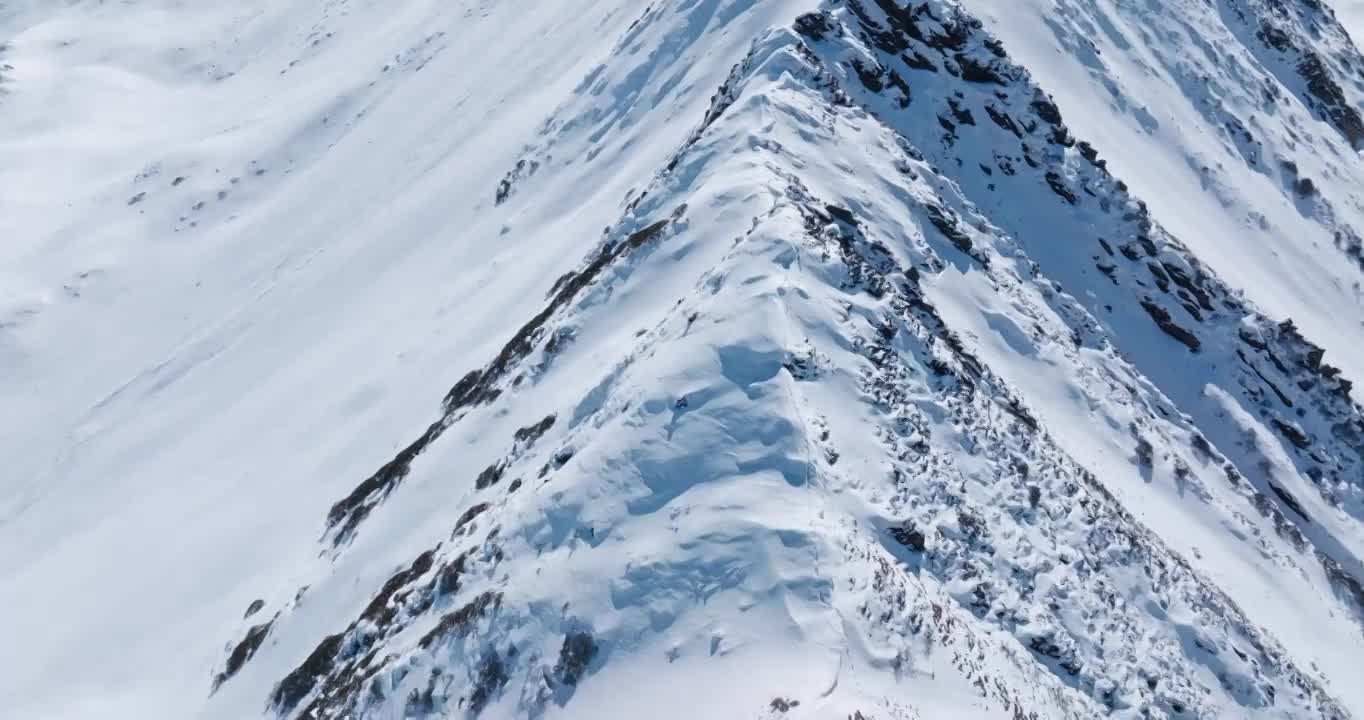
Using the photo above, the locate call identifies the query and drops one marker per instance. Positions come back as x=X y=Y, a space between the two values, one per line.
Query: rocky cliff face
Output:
x=864 y=358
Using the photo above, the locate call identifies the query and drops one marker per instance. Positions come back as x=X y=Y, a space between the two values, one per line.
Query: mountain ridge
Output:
x=880 y=390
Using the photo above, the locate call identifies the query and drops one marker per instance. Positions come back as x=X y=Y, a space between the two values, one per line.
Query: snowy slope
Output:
x=1351 y=14
x=717 y=358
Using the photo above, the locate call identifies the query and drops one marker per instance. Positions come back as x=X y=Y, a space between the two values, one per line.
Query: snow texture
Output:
x=866 y=359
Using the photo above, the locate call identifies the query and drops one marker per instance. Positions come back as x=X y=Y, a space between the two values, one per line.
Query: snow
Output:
x=249 y=248
x=1351 y=14
x=1169 y=148
x=190 y=399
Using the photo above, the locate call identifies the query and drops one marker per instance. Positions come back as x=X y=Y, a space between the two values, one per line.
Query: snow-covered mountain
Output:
x=705 y=358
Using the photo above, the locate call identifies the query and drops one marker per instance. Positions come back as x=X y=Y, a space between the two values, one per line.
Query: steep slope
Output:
x=1351 y=16
x=893 y=387
x=1252 y=161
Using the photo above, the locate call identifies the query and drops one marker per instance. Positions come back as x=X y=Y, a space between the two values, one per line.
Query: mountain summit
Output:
x=864 y=359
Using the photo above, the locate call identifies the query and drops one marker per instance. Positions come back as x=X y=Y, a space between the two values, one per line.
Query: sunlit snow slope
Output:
x=1351 y=15
x=866 y=359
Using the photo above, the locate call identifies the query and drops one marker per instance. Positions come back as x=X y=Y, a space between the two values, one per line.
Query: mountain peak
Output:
x=862 y=358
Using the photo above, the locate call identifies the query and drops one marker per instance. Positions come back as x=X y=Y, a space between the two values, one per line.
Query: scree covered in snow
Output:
x=864 y=359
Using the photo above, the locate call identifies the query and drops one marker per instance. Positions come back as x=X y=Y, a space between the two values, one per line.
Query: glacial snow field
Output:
x=864 y=359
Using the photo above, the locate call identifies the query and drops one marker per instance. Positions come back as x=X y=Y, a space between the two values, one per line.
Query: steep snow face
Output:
x=1351 y=16
x=1237 y=121
x=712 y=358
x=248 y=246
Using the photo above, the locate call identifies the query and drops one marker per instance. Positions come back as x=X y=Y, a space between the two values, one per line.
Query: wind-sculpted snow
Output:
x=715 y=358
x=481 y=387
x=1040 y=472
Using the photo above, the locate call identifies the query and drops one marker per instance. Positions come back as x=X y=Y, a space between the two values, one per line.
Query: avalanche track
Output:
x=714 y=358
